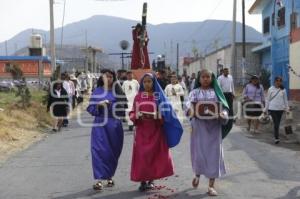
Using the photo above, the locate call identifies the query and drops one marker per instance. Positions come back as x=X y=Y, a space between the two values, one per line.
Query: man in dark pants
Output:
x=226 y=83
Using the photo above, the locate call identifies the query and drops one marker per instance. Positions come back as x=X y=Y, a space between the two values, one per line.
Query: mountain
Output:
x=106 y=32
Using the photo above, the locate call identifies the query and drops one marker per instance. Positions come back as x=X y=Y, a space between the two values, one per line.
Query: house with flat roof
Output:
x=32 y=66
x=279 y=18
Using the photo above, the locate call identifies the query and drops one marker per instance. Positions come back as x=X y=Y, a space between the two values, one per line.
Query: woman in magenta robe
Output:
x=140 y=57
x=151 y=157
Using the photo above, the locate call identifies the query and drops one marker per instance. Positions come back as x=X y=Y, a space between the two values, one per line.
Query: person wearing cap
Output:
x=254 y=100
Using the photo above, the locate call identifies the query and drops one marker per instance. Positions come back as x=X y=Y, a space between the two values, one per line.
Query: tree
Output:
x=20 y=81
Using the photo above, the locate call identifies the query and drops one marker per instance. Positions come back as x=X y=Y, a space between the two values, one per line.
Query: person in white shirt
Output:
x=131 y=88
x=174 y=91
x=227 y=85
x=68 y=85
x=82 y=82
x=74 y=88
x=182 y=83
x=276 y=104
x=192 y=81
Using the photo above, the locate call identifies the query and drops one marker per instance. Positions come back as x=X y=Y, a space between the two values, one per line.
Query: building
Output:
x=33 y=67
x=295 y=64
x=279 y=18
x=190 y=65
x=221 y=58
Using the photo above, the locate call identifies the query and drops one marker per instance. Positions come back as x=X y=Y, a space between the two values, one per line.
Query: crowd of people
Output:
x=155 y=108
x=65 y=94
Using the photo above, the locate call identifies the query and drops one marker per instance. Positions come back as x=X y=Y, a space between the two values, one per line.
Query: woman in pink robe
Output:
x=151 y=157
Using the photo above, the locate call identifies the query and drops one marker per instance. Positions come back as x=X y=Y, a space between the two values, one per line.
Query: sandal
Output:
x=212 y=192
x=143 y=187
x=98 y=186
x=110 y=183
x=150 y=185
x=195 y=182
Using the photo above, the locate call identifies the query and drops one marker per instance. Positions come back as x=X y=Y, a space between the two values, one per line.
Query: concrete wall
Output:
x=295 y=64
x=224 y=57
x=194 y=67
x=29 y=68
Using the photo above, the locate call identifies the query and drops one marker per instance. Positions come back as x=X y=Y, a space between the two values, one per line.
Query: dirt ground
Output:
x=20 y=128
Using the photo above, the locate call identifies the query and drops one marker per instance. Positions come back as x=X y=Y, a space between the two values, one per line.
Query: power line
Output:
x=216 y=35
x=205 y=22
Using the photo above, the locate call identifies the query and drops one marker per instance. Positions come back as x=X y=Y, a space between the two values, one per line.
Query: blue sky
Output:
x=18 y=15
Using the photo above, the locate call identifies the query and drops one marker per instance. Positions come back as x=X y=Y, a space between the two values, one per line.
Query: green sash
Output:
x=227 y=127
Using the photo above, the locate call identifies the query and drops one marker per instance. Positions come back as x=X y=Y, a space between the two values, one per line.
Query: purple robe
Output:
x=206 y=139
x=106 y=138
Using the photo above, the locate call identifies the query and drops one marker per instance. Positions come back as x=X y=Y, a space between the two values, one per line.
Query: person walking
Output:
x=174 y=92
x=74 y=88
x=57 y=104
x=163 y=82
x=276 y=105
x=227 y=85
x=254 y=100
x=68 y=86
x=157 y=130
x=192 y=82
x=208 y=111
x=107 y=104
x=181 y=81
x=130 y=88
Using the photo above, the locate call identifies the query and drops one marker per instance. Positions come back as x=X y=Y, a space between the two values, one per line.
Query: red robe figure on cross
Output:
x=140 y=57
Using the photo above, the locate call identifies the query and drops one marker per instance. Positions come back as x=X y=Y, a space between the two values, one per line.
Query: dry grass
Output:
x=19 y=128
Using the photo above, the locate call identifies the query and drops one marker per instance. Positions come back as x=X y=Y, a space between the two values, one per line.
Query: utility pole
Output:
x=86 y=66
x=233 y=44
x=52 y=38
x=171 y=53
x=244 y=42
x=177 y=59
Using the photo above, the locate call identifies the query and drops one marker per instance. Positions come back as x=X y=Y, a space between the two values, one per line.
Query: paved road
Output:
x=59 y=167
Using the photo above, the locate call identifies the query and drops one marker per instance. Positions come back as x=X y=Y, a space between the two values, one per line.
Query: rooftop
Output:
x=25 y=58
x=258 y=6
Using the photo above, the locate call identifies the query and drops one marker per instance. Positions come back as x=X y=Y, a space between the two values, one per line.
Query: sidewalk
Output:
x=268 y=128
x=295 y=108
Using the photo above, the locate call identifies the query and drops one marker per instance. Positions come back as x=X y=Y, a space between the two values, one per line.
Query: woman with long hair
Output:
x=254 y=100
x=208 y=112
x=157 y=130
x=107 y=104
x=58 y=104
x=276 y=105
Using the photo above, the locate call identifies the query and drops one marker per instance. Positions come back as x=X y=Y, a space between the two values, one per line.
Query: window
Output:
x=281 y=17
x=266 y=28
